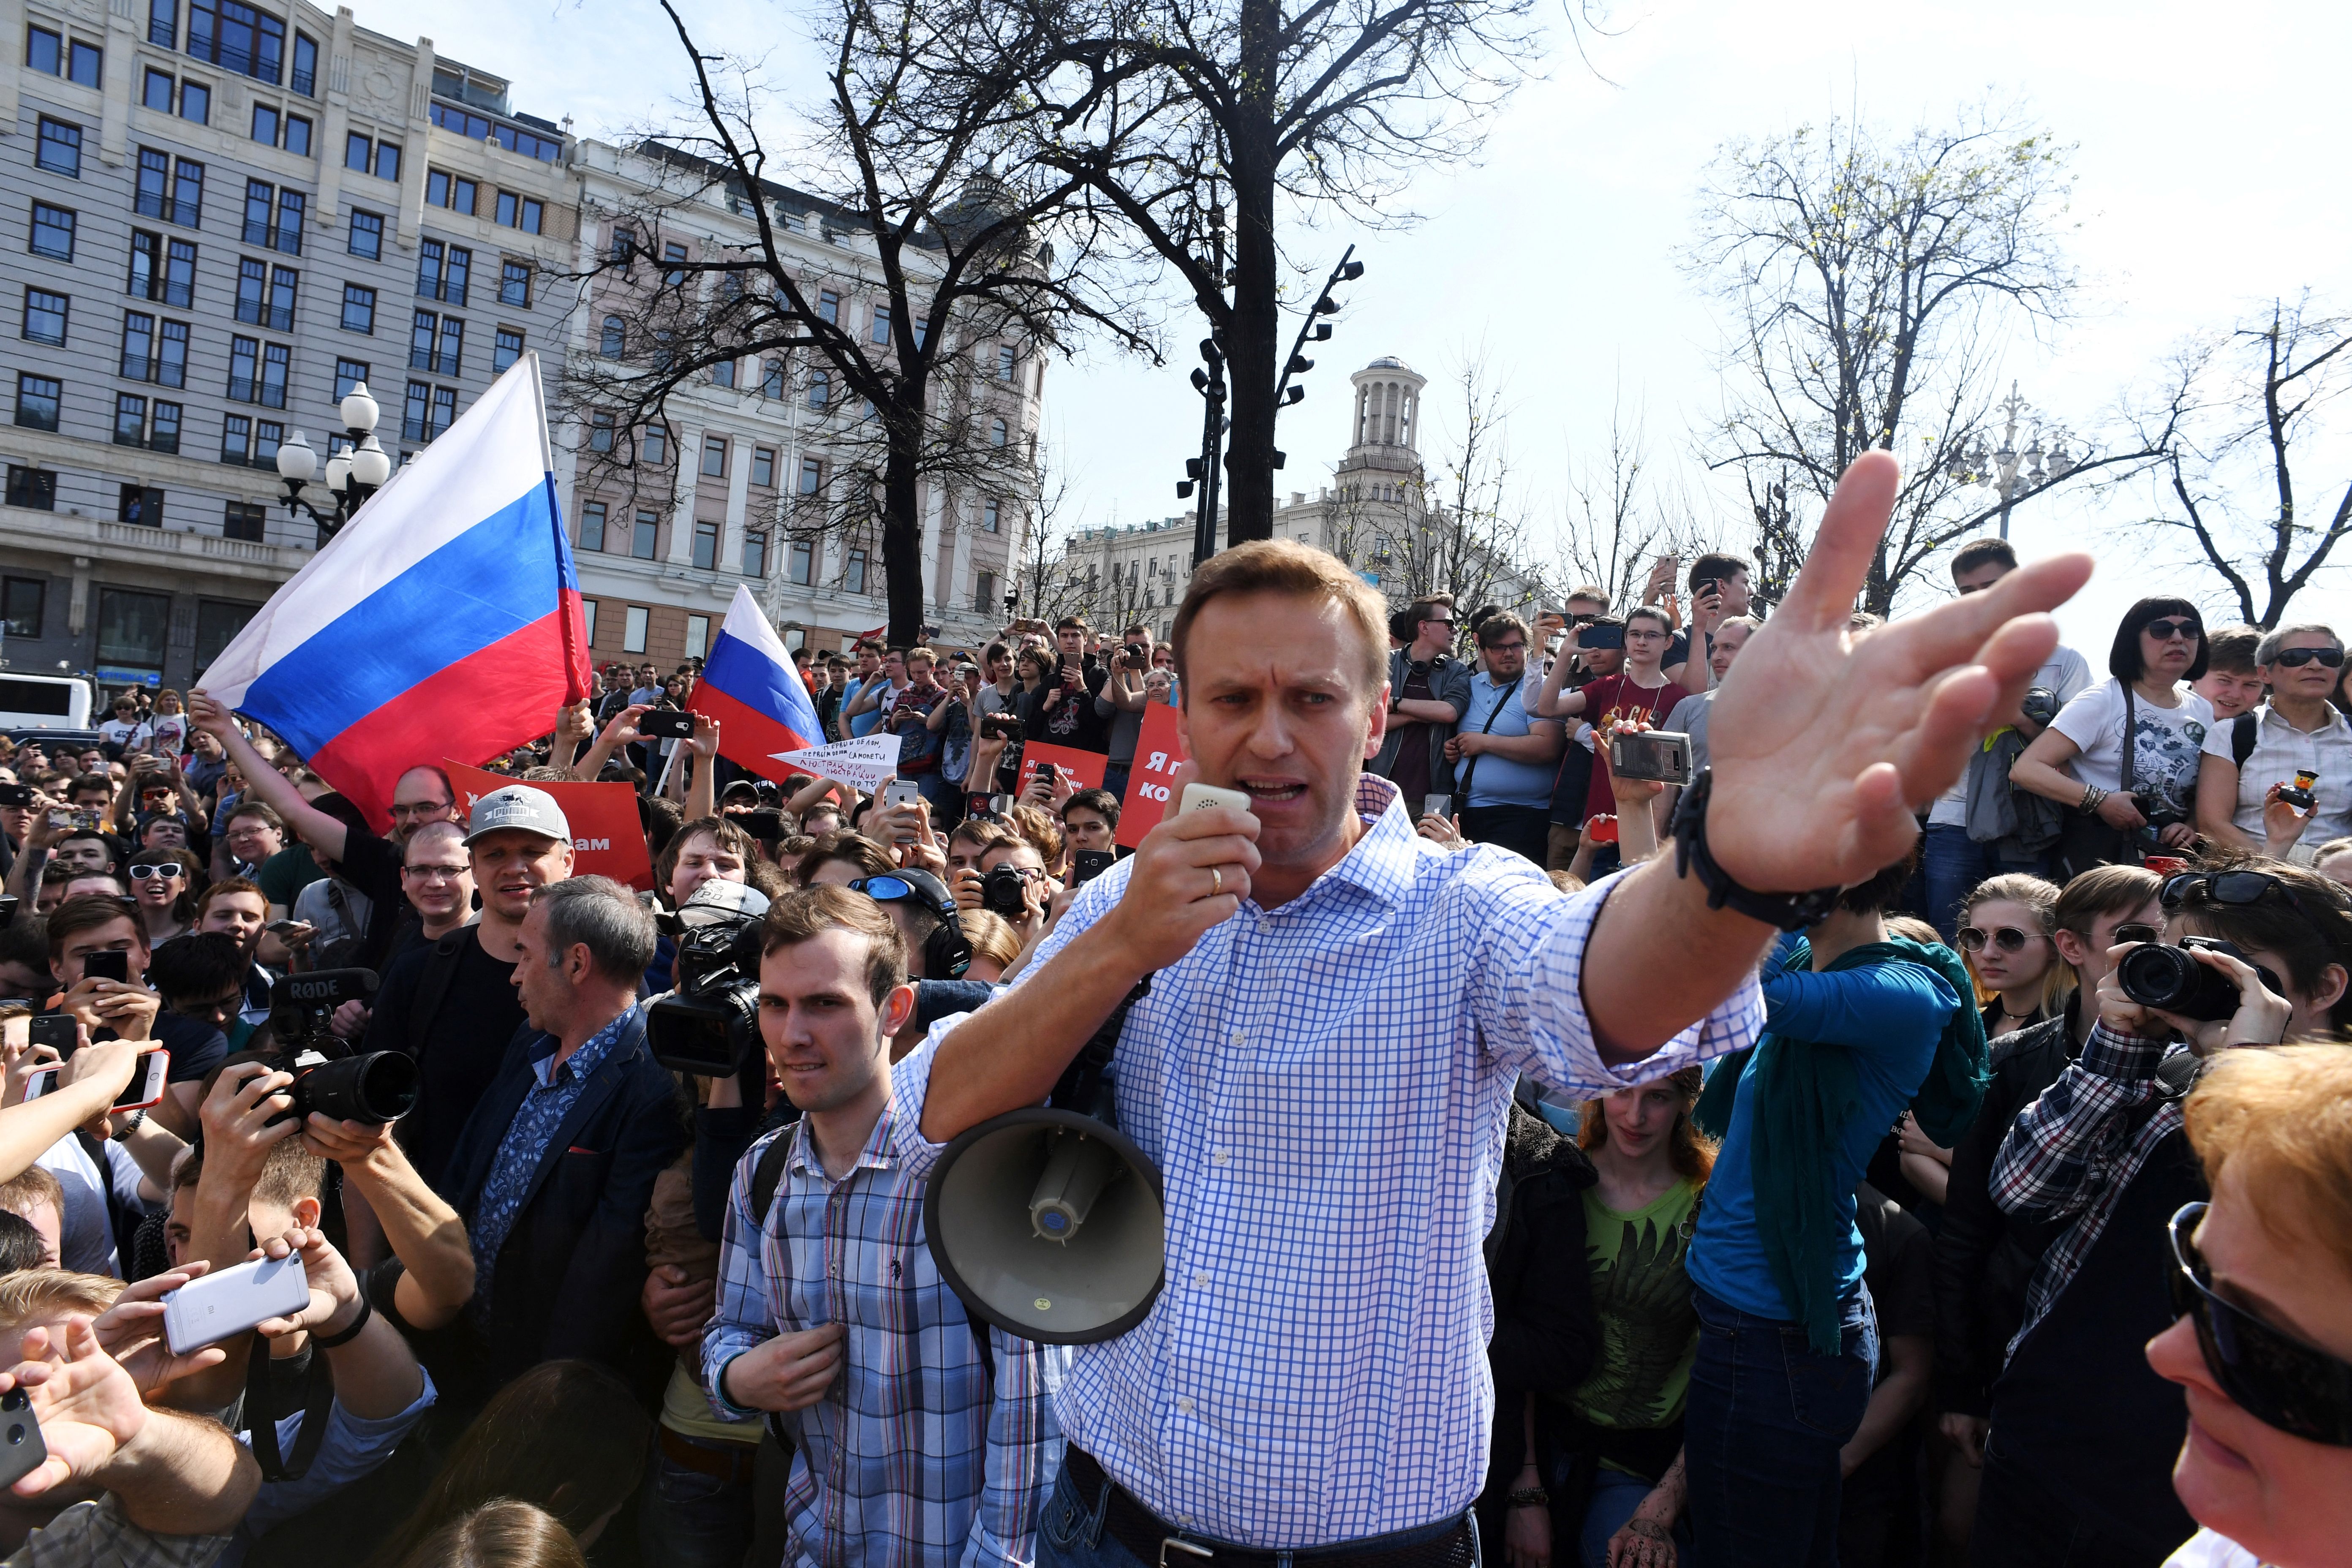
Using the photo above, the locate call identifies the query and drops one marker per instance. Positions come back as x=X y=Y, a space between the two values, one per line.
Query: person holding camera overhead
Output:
x=1312 y=1377
x=1638 y=695
x=2142 y=720
x=2083 y=1434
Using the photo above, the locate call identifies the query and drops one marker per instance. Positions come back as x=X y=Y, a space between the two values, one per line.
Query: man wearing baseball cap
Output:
x=451 y=1003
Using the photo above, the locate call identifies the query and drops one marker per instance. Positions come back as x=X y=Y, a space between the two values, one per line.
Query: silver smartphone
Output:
x=1660 y=755
x=145 y=1088
x=212 y=1307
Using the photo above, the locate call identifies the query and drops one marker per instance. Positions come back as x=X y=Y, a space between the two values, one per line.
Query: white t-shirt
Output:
x=2065 y=677
x=2164 y=750
x=2207 y=1549
x=170 y=732
x=2280 y=751
x=130 y=737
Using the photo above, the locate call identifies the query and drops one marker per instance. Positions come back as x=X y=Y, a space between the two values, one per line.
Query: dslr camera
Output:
x=709 y=1026
x=2155 y=975
x=1002 y=890
x=330 y=1077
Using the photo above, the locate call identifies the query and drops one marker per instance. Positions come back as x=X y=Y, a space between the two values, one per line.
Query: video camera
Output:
x=374 y=1087
x=709 y=1026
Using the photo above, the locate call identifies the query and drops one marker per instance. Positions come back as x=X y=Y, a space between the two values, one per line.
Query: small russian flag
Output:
x=748 y=685
x=444 y=621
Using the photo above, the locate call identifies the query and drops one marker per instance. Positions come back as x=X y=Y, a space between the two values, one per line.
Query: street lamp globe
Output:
x=371 y=465
x=297 y=460
x=339 y=471
x=359 y=410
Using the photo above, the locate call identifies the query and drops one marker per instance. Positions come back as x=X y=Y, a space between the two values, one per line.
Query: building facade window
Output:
x=443 y=189
x=349 y=373
x=706 y=545
x=520 y=212
x=304 y=78
x=1006 y=360
x=755 y=553
x=156 y=91
x=592 y=525
x=248 y=520
x=443 y=271
x=853 y=572
x=983 y=593
x=367 y=234
x=698 y=636
x=130 y=420
x=799 y=561
x=195 y=102
x=22 y=602
x=988 y=517
x=141 y=504
x=714 y=456
x=236 y=440
x=723 y=374
x=655 y=449
x=38 y=397
x=812 y=476
x=45 y=316
x=633 y=629
x=514 y=284
x=828 y=307
x=235 y=37
x=772 y=378
x=359 y=308
x=35 y=489
x=996 y=433
x=600 y=432
x=53 y=231
x=645 y=536
x=763 y=468
x=509 y=350
x=133 y=631
x=59 y=149
x=163 y=24
x=615 y=341
x=882 y=323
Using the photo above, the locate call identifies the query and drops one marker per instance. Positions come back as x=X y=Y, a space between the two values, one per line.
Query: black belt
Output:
x=1158 y=1543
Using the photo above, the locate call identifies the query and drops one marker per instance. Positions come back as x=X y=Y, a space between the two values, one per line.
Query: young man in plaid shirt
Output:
x=914 y=1446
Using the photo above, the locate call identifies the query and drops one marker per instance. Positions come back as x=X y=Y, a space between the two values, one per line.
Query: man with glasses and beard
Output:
x=1505 y=758
x=1429 y=692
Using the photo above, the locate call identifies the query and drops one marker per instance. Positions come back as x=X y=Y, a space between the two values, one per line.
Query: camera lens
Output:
x=377 y=1087
x=2171 y=979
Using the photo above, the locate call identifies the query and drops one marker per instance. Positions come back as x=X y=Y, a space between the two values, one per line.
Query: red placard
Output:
x=1086 y=767
x=1158 y=752
x=607 y=839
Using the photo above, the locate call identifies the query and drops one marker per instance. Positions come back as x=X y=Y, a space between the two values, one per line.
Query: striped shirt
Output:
x=1324 y=1088
x=909 y=1460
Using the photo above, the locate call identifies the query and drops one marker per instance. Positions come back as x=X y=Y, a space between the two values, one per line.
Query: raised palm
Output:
x=1823 y=743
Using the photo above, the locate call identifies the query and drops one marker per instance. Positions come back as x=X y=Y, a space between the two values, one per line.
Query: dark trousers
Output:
x=1521 y=829
x=1070 y=1534
x=2022 y=1521
x=1766 y=1418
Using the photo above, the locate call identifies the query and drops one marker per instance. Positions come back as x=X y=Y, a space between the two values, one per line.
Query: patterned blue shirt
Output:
x=910 y=1460
x=1324 y=1088
x=544 y=1106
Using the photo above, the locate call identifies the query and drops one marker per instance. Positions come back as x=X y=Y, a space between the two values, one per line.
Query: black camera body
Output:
x=709 y=1026
x=999 y=727
x=372 y=1087
x=2039 y=706
x=2154 y=975
x=1002 y=890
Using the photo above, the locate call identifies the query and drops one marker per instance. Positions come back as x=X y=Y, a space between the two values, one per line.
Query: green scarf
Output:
x=1808 y=1091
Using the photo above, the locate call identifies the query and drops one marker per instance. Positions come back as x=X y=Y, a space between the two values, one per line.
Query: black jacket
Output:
x=570 y=1273
x=1985 y=1259
x=1546 y=1333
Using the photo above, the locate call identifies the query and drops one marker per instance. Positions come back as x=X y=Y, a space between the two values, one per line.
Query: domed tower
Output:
x=1384 y=455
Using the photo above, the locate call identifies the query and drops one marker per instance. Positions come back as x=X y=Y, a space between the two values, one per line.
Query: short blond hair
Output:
x=1301 y=571
x=30 y=1294
x=2283 y=1118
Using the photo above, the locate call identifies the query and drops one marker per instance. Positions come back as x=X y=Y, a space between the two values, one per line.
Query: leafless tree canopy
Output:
x=1871 y=283
x=1163 y=108
x=1618 y=523
x=2247 y=405
x=909 y=188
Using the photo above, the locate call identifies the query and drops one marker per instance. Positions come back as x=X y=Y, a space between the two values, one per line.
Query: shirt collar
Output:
x=583 y=1061
x=2334 y=720
x=1383 y=862
x=873 y=1155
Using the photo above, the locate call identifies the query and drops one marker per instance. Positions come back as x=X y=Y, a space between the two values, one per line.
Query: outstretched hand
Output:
x=1823 y=743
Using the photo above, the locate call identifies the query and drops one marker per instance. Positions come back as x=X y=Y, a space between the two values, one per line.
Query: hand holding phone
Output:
x=150 y=1071
x=210 y=1309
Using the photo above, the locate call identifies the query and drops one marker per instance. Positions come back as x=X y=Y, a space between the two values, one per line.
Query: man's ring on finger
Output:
x=1216 y=882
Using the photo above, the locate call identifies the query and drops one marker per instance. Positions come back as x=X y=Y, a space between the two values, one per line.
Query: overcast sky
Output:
x=2209 y=175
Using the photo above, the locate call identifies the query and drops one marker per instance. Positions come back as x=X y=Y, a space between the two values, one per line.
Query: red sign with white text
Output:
x=1158 y=754
x=607 y=839
x=1084 y=767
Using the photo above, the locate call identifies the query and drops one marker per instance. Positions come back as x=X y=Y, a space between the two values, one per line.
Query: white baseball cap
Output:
x=518 y=806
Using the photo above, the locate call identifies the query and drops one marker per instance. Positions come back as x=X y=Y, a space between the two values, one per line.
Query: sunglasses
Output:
x=2267 y=1372
x=2234 y=887
x=2009 y=938
x=145 y=873
x=2135 y=931
x=2164 y=631
x=889 y=891
x=2296 y=658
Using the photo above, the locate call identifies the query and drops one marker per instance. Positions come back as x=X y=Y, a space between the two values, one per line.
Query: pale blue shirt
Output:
x=1324 y=1088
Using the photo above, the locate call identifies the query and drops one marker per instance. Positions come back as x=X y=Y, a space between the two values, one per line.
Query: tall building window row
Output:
x=249 y=442
x=443 y=271
x=162 y=270
x=53 y=54
x=443 y=189
x=154 y=426
x=153 y=350
x=370 y=157
x=258 y=372
x=516 y=211
x=266 y=294
x=171 y=188
x=437 y=343
x=285 y=232
x=273 y=128
x=189 y=98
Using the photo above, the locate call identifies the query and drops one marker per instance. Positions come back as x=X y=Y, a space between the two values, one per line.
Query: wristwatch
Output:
x=1789 y=911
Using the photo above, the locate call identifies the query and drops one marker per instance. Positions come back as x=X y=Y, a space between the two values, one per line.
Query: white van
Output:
x=44 y=702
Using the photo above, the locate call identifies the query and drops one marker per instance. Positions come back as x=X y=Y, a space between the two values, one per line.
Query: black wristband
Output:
x=1789 y=911
x=367 y=1310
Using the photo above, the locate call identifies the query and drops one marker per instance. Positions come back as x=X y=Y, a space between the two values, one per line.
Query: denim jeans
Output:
x=1522 y=829
x=1954 y=863
x=688 y=1519
x=1071 y=1534
x=1115 y=779
x=1766 y=1418
x=2023 y=1522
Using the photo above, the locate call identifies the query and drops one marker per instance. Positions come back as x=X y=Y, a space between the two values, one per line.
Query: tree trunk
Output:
x=1250 y=344
x=902 y=548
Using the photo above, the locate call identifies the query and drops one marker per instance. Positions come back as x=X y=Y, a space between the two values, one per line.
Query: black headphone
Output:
x=947 y=951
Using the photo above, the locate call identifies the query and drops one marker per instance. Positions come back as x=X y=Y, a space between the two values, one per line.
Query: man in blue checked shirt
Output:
x=1338 y=1011
x=915 y=1444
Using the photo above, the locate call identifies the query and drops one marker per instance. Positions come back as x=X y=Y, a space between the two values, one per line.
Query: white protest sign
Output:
x=868 y=762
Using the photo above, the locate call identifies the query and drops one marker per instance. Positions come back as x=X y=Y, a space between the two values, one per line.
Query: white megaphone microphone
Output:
x=1048 y=1222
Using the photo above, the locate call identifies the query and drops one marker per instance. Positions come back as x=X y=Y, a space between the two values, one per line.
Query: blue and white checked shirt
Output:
x=542 y=1111
x=1324 y=1088
x=908 y=1461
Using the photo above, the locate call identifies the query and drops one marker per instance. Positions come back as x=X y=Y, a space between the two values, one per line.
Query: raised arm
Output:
x=423 y=1232
x=265 y=783
x=703 y=794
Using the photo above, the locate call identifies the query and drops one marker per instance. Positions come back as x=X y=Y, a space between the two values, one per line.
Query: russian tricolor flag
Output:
x=748 y=685
x=443 y=621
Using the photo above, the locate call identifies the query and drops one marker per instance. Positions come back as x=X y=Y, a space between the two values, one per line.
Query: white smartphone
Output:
x=1200 y=797
x=900 y=792
x=145 y=1088
x=212 y=1307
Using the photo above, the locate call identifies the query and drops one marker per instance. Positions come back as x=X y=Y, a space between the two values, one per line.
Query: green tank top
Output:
x=1649 y=1331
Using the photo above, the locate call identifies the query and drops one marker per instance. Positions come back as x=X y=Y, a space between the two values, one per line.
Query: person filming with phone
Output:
x=1313 y=1375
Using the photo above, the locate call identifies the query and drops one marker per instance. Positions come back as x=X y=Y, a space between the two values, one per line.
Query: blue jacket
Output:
x=571 y=1268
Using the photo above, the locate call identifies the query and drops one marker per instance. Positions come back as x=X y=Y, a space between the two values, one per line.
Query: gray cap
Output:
x=518 y=806
x=716 y=900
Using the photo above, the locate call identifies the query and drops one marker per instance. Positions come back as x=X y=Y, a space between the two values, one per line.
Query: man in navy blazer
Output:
x=555 y=1168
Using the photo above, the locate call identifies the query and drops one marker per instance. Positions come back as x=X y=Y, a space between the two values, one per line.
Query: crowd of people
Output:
x=1550 y=1179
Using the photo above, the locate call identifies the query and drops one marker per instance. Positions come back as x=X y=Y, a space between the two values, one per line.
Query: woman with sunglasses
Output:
x=2083 y=1435
x=160 y=886
x=2262 y=1281
x=2006 y=936
x=1984 y=1258
x=2297 y=730
x=2142 y=716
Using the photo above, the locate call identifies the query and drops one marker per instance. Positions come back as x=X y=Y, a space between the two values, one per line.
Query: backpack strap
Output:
x=2243 y=730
